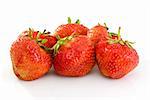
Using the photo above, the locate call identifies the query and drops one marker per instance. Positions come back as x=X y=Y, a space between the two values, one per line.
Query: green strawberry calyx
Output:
x=35 y=35
x=70 y=21
x=105 y=25
x=116 y=38
x=61 y=41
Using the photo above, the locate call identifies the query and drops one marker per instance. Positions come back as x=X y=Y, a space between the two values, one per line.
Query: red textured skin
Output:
x=115 y=60
x=28 y=59
x=98 y=33
x=68 y=29
x=76 y=58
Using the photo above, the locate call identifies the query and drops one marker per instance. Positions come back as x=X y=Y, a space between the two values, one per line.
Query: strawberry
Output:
x=71 y=28
x=29 y=57
x=46 y=40
x=74 y=56
x=116 y=57
x=98 y=33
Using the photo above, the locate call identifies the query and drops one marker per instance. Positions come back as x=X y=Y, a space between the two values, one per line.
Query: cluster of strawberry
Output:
x=73 y=50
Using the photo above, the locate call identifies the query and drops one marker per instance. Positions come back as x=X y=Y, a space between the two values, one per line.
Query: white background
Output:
x=132 y=15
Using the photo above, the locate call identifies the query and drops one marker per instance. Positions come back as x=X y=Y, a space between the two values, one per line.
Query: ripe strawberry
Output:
x=75 y=57
x=116 y=57
x=47 y=40
x=71 y=28
x=98 y=33
x=29 y=60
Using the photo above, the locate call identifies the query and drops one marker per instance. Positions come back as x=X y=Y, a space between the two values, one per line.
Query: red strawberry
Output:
x=29 y=60
x=116 y=57
x=71 y=28
x=47 y=40
x=98 y=33
x=75 y=57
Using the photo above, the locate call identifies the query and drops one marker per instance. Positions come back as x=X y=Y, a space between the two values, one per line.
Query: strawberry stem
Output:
x=38 y=35
x=119 y=37
x=77 y=21
x=69 y=20
x=30 y=32
x=44 y=31
x=106 y=26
